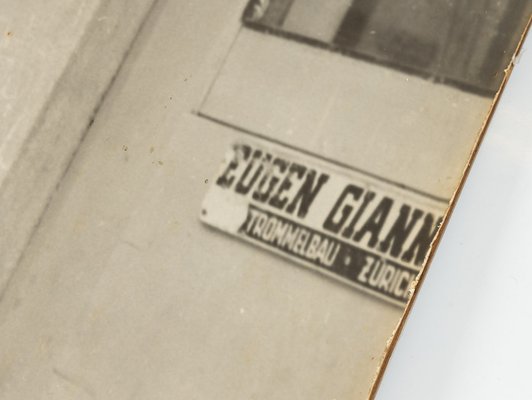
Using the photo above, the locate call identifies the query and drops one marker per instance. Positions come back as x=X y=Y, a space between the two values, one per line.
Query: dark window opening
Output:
x=459 y=42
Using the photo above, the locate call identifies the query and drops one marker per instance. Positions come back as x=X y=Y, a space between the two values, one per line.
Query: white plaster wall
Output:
x=57 y=59
x=123 y=292
x=394 y=125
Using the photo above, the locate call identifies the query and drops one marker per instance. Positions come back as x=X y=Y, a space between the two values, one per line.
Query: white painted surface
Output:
x=123 y=292
x=115 y=300
x=349 y=110
x=469 y=333
x=57 y=59
x=37 y=43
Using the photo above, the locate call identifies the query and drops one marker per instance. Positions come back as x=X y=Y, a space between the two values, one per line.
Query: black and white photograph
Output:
x=230 y=200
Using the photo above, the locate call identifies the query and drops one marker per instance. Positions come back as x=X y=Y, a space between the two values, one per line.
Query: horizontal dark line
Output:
x=369 y=58
x=315 y=155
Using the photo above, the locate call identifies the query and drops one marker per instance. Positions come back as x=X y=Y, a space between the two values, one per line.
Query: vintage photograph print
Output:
x=254 y=194
x=357 y=119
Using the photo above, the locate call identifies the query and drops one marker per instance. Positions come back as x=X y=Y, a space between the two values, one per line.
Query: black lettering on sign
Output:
x=421 y=244
x=270 y=180
x=307 y=193
x=334 y=221
x=335 y=257
x=400 y=230
x=282 y=184
x=280 y=199
x=368 y=198
x=362 y=216
x=240 y=153
x=375 y=222
x=346 y=225
x=251 y=173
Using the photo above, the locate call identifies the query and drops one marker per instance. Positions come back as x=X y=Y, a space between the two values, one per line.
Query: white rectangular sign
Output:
x=356 y=228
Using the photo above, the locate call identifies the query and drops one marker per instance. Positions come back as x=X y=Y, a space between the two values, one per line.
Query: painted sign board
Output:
x=358 y=229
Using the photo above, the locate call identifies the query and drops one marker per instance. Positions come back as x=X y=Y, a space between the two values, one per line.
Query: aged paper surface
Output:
x=250 y=212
